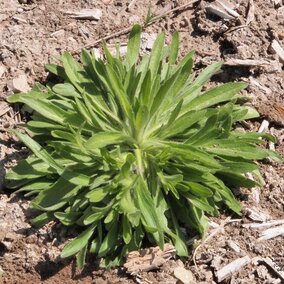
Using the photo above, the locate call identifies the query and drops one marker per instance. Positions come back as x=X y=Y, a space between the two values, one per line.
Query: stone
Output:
x=19 y=84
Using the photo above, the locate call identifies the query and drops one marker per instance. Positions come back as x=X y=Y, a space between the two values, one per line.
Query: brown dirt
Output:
x=28 y=40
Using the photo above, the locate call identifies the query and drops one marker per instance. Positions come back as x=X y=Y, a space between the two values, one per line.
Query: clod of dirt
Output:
x=184 y=275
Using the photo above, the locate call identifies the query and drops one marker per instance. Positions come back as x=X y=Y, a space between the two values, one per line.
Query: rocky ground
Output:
x=248 y=36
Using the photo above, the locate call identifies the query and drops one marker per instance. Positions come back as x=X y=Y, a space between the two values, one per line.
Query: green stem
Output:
x=140 y=167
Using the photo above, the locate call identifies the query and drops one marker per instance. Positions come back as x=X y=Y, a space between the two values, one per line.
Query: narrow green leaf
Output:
x=133 y=46
x=81 y=257
x=103 y=139
x=145 y=92
x=75 y=177
x=237 y=149
x=97 y=195
x=78 y=243
x=199 y=189
x=25 y=170
x=45 y=108
x=67 y=218
x=38 y=151
x=42 y=219
x=148 y=212
x=66 y=90
x=207 y=73
x=108 y=243
x=173 y=53
x=56 y=70
x=175 y=113
x=56 y=196
x=72 y=70
x=217 y=95
x=127 y=231
x=36 y=185
x=156 y=55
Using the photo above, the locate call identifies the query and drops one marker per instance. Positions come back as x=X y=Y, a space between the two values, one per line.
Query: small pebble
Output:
x=19 y=84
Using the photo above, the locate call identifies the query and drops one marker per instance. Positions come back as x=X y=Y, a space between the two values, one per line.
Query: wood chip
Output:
x=148 y=259
x=255 y=215
x=269 y=65
x=263 y=225
x=223 y=8
x=251 y=11
x=4 y=108
x=232 y=267
x=277 y=48
x=2 y=70
x=271 y=146
x=246 y=62
x=86 y=14
x=269 y=263
x=233 y=246
x=271 y=233
x=184 y=275
x=263 y=127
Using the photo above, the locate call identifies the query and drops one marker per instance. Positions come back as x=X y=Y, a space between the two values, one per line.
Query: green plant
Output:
x=134 y=150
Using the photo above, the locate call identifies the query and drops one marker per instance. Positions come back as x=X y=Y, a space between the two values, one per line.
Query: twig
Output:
x=127 y=30
x=182 y=7
x=271 y=233
x=235 y=28
x=232 y=267
x=263 y=225
x=251 y=11
x=122 y=32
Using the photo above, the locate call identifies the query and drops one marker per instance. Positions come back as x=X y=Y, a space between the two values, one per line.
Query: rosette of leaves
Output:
x=133 y=150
